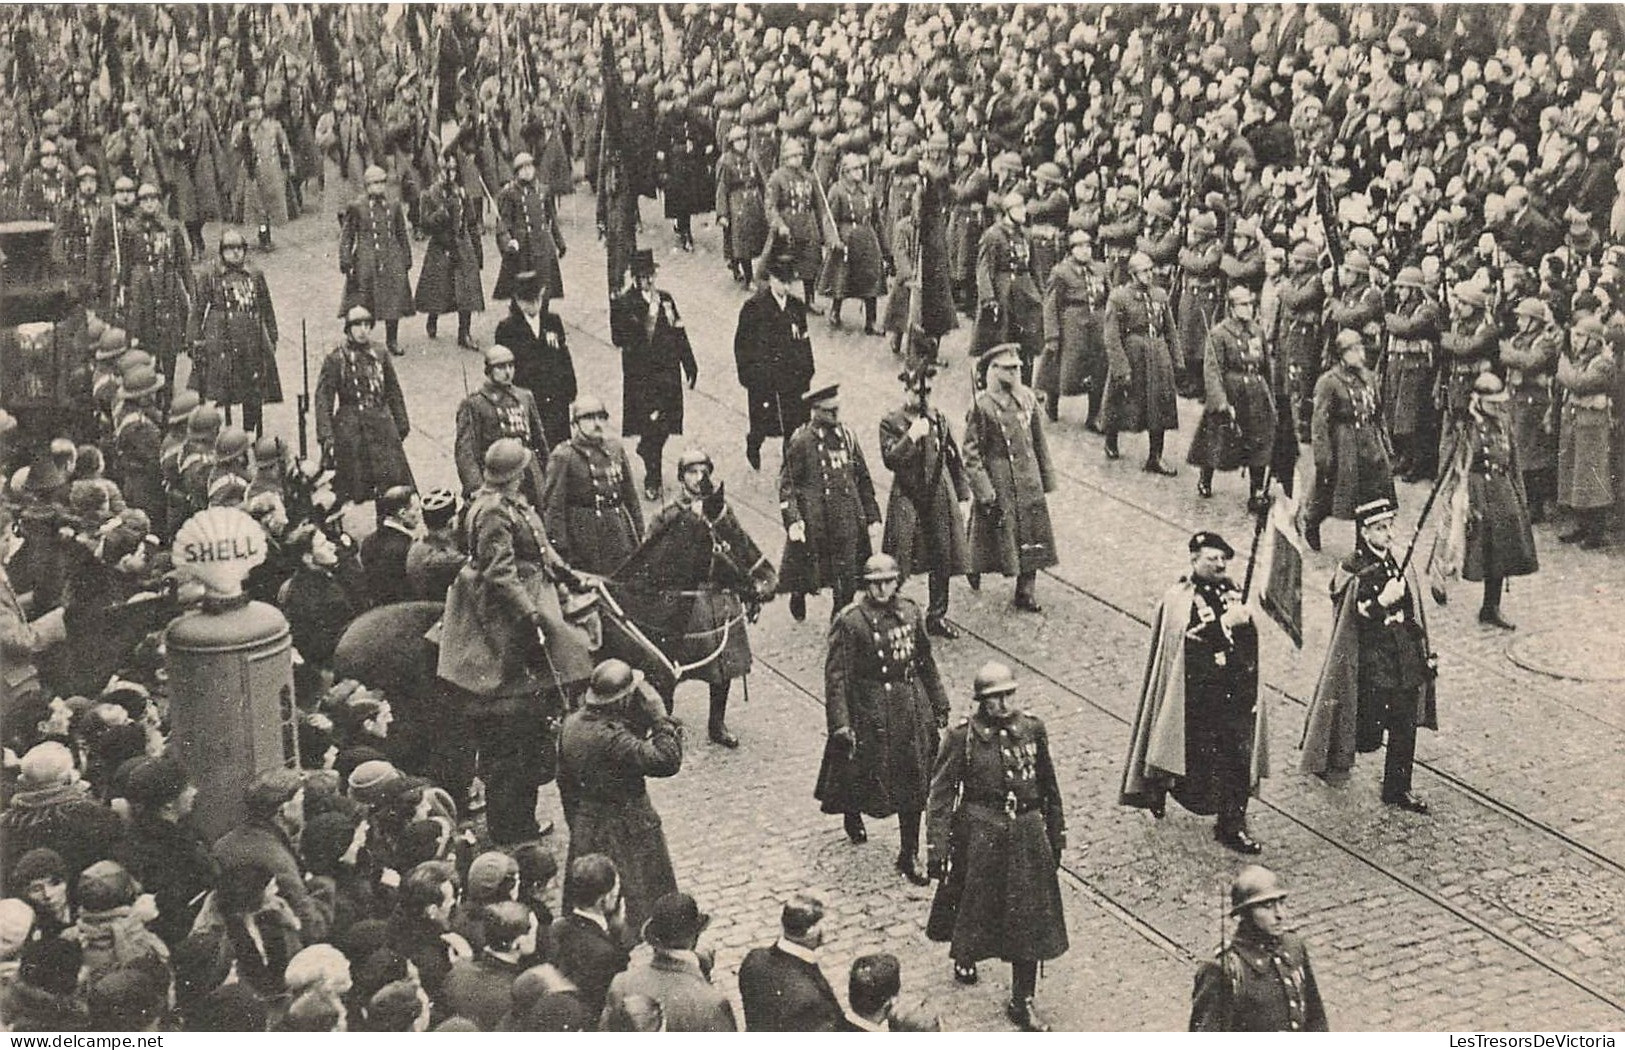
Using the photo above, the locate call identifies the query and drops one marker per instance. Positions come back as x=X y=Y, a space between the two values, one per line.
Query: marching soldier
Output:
x=1215 y=702
x=375 y=256
x=346 y=154
x=856 y=267
x=827 y=500
x=1302 y=296
x=739 y=208
x=500 y=408
x=589 y=503
x=528 y=233
x=966 y=221
x=161 y=284
x=1587 y=376
x=1201 y=299
x=796 y=212
x=47 y=186
x=76 y=222
x=1009 y=306
x=1140 y=393
x=1074 y=360
x=110 y=253
x=687 y=152
x=1238 y=422
x=655 y=359
x=1359 y=307
x=193 y=142
x=1407 y=374
x=450 y=278
x=1351 y=459
x=925 y=530
x=884 y=703
x=996 y=831
x=1379 y=671
x=1261 y=981
x=1161 y=240
x=264 y=159
x=1468 y=346
x=361 y=416
x=234 y=335
x=133 y=149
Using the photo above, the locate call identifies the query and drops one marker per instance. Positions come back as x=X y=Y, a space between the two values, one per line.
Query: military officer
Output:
x=499 y=409
x=161 y=286
x=1407 y=374
x=528 y=233
x=1238 y=424
x=796 y=216
x=361 y=417
x=1009 y=306
x=375 y=256
x=1140 y=392
x=1351 y=457
x=234 y=335
x=1302 y=295
x=925 y=530
x=884 y=702
x=996 y=831
x=1261 y=981
x=589 y=502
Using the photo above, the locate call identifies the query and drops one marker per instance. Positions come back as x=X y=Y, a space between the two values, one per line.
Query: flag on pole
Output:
x=617 y=203
x=1281 y=569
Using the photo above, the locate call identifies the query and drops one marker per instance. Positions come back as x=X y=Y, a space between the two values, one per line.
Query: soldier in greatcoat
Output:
x=450 y=279
x=375 y=256
x=740 y=213
x=925 y=530
x=76 y=221
x=884 y=703
x=1007 y=464
x=528 y=232
x=193 y=142
x=500 y=408
x=345 y=150
x=234 y=335
x=1238 y=421
x=1351 y=455
x=996 y=831
x=1261 y=981
x=827 y=501
x=47 y=185
x=264 y=160
x=856 y=265
x=1530 y=355
x=1407 y=375
x=686 y=150
x=966 y=221
x=1358 y=305
x=133 y=149
x=1140 y=395
x=1074 y=360
x=1586 y=376
x=1468 y=345
x=589 y=501
x=361 y=416
x=655 y=359
x=796 y=216
x=1201 y=299
x=161 y=286
x=1009 y=305
x=110 y=253
x=774 y=358
x=542 y=362
x=1302 y=295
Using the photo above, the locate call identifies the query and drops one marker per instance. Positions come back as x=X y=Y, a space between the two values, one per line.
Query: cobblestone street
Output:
x=1504 y=909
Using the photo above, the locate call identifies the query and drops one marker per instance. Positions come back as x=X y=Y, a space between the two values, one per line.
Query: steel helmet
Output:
x=880 y=567
x=1254 y=885
x=994 y=679
x=230 y=238
x=611 y=681
x=692 y=456
x=504 y=460
x=357 y=315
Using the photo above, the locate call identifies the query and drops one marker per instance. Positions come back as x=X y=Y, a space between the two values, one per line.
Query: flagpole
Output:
x=1258 y=535
x=1448 y=463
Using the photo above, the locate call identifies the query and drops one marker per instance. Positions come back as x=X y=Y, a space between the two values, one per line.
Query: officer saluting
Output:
x=996 y=830
x=1261 y=981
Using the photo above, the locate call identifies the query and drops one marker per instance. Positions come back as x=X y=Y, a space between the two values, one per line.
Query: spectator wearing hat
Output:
x=739 y=205
x=676 y=974
x=1302 y=296
x=1140 y=365
x=1074 y=360
x=318 y=605
x=234 y=335
x=137 y=439
x=1210 y=688
x=433 y=559
x=528 y=233
x=997 y=832
x=196 y=163
x=1406 y=372
x=230 y=473
x=265 y=160
x=797 y=217
x=1530 y=356
x=40 y=877
x=774 y=358
x=52 y=809
x=480 y=989
x=782 y=986
x=112 y=927
x=1009 y=302
x=1499 y=543
x=375 y=256
x=1008 y=467
x=1201 y=298
x=607 y=750
x=346 y=153
x=1379 y=673
x=162 y=850
x=22 y=639
x=1238 y=425
x=1351 y=461
x=1261 y=981
x=450 y=278
x=268 y=837
x=383 y=553
x=1586 y=379
x=542 y=364
x=129 y=998
x=655 y=360
x=361 y=417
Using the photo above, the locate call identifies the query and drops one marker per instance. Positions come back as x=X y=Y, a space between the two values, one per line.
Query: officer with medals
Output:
x=884 y=702
x=1261 y=981
x=234 y=335
x=589 y=502
x=498 y=409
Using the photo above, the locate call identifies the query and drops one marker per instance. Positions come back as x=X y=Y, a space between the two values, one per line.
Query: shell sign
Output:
x=217 y=547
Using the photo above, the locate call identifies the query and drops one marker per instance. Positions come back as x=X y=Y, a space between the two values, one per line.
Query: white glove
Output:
x=1235 y=616
x=875 y=532
x=797 y=532
x=919 y=428
x=1392 y=593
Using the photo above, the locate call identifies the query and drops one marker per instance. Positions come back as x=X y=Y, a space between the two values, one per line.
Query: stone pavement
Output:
x=1477 y=917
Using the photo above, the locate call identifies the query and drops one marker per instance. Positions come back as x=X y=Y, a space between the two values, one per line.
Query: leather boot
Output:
x=1022 y=1014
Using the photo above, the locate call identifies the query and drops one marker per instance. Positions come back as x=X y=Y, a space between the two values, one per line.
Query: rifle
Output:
x=118 y=266
x=302 y=402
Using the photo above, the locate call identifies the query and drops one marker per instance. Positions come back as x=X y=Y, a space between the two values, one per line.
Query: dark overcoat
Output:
x=161 y=287
x=688 y=148
x=774 y=357
x=1499 y=540
x=542 y=365
x=1584 y=480
x=795 y=199
x=925 y=530
x=236 y=325
x=494 y=412
x=1235 y=380
x=1351 y=461
x=450 y=279
x=1531 y=363
x=1005 y=282
x=655 y=359
x=1140 y=392
x=881 y=682
x=858 y=269
x=1008 y=467
x=824 y=484
x=360 y=409
x=375 y=255
x=1074 y=337
x=739 y=200
x=1408 y=375
x=590 y=505
x=193 y=142
x=1258 y=984
x=526 y=215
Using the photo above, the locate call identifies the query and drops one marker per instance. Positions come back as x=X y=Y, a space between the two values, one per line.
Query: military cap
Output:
x=588 y=406
x=1380 y=509
x=141 y=382
x=737 y=132
x=358 y=315
x=1011 y=201
x=1079 y=237
x=1240 y=294
x=1470 y=295
x=880 y=567
x=1160 y=206
x=1139 y=262
x=938 y=141
x=1206 y=540
x=993 y=679
x=112 y=344
x=1008 y=162
x=997 y=353
x=190 y=63
x=1246 y=226
x=1254 y=885
x=1304 y=252
x=205 y=421
x=130 y=107
x=820 y=395
x=1488 y=386
x=497 y=354
x=1532 y=307
x=123 y=184
x=50 y=116
x=792 y=148
x=132 y=359
x=612 y=681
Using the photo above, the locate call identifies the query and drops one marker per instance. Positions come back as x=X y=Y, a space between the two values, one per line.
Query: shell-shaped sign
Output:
x=217 y=547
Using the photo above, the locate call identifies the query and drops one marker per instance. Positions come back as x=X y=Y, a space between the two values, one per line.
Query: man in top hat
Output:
x=1140 y=365
x=1379 y=671
x=676 y=975
x=620 y=736
x=1351 y=455
x=542 y=363
x=589 y=501
x=1201 y=685
x=361 y=418
x=884 y=703
x=1008 y=466
x=375 y=256
x=528 y=232
x=1407 y=374
x=655 y=359
x=1009 y=305
x=774 y=357
x=264 y=160
x=234 y=335
x=1261 y=981
x=827 y=501
x=500 y=408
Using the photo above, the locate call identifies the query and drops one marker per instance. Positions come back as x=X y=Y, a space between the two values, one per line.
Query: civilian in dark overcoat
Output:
x=1140 y=366
x=589 y=956
x=450 y=279
x=528 y=233
x=375 y=256
x=781 y=986
x=621 y=736
x=234 y=335
x=361 y=416
x=774 y=358
x=655 y=359
x=541 y=355
x=1351 y=458
x=925 y=529
x=996 y=831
